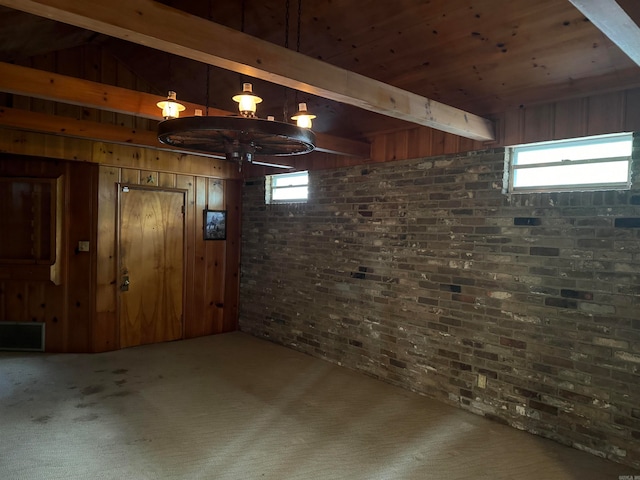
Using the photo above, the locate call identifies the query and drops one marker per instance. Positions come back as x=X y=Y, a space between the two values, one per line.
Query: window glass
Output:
x=594 y=163
x=287 y=188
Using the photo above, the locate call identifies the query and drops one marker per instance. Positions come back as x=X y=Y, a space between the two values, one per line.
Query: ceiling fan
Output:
x=241 y=138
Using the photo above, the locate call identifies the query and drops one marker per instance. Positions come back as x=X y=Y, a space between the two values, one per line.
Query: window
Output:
x=593 y=163
x=287 y=188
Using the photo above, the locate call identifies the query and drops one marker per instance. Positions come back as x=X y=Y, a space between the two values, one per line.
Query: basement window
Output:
x=287 y=188
x=590 y=163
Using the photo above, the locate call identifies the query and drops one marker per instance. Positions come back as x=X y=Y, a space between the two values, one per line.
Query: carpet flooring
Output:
x=235 y=407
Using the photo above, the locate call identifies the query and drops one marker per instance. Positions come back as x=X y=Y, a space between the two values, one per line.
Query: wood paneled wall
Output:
x=594 y=115
x=81 y=313
x=90 y=63
x=25 y=296
x=598 y=114
x=66 y=148
x=418 y=142
x=211 y=280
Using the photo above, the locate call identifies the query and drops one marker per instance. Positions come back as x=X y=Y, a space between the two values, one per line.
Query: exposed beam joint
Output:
x=161 y=27
x=617 y=19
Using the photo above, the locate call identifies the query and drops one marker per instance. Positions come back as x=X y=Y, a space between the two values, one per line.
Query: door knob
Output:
x=124 y=286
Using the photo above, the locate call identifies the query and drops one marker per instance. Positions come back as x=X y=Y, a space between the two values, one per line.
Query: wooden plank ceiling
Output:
x=483 y=57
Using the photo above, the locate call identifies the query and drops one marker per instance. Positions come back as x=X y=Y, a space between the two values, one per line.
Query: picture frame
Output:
x=215 y=224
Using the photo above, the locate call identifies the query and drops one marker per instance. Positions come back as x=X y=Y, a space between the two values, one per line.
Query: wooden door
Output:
x=151 y=265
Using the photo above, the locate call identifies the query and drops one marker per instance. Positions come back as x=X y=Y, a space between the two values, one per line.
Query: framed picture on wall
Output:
x=215 y=224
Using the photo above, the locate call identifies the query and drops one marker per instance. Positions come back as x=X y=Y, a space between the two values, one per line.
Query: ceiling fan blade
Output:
x=270 y=164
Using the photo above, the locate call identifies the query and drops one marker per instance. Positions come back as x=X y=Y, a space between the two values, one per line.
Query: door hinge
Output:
x=182 y=208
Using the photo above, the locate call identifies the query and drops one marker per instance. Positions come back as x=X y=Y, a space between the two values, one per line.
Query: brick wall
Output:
x=423 y=274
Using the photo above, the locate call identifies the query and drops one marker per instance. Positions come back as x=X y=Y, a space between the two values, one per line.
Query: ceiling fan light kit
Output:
x=247 y=101
x=240 y=138
x=303 y=117
x=170 y=107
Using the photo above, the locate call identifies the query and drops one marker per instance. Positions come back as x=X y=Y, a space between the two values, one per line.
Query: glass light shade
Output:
x=303 y=117
x=170 y=107
x=247 y=100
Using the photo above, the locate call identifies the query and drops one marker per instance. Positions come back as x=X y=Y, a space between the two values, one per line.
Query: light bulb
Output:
x=303 y=117
x=170 y=107
x=247 y=100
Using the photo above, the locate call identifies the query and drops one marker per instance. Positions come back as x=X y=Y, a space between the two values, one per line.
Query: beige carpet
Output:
x=235 y=407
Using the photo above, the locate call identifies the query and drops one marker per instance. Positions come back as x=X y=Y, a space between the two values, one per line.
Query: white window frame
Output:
x=511 y=165
x=277 y=182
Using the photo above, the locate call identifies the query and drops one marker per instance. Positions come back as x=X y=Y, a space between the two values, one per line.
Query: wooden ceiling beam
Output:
x=61 y=88
x=31 y=82
x=619 y=20
x=161 y=27
x=72 y=127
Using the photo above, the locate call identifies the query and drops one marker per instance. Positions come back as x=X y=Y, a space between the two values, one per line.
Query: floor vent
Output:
x=22 y=336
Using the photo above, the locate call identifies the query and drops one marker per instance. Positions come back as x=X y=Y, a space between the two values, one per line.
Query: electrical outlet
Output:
x=482 y=381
